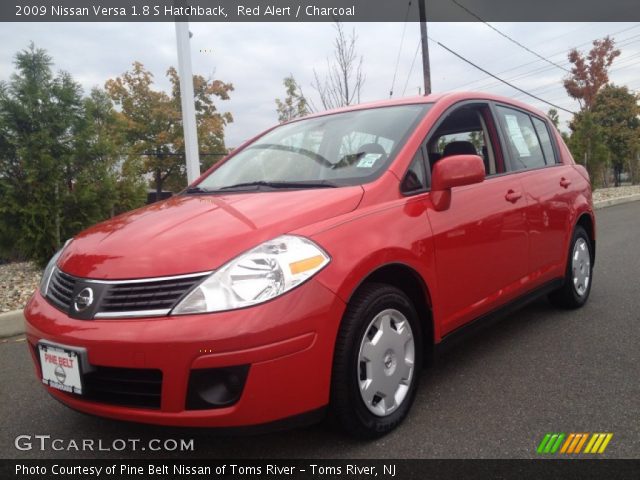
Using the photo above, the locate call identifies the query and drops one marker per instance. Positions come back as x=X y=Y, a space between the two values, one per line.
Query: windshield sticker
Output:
x=516 y=136
x=368 y=160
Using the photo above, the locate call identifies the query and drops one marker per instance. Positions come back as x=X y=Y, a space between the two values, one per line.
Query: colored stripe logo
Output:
x=573 y=443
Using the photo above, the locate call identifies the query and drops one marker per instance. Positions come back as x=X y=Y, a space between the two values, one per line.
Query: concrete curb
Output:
x=11 y=324
x=616 y=201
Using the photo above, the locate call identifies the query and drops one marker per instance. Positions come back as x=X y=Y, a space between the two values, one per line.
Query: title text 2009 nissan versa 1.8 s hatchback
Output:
x=317 y=266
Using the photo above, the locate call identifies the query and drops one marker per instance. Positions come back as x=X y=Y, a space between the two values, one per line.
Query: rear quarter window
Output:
x=545 y=141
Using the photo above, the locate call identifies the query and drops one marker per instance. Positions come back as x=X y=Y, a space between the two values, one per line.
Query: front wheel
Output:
x=579 y=273
x=377 y=362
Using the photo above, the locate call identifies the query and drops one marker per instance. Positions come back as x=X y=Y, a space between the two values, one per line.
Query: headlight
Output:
x=46 y=275
x=266 y=272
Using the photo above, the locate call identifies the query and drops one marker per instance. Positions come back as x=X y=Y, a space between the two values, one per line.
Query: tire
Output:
x=395 y=357
x=578 y=279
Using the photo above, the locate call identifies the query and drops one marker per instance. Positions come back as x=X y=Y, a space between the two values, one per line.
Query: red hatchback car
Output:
x=317 y=266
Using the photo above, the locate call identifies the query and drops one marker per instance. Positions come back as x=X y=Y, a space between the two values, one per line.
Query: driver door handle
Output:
x=513 y=196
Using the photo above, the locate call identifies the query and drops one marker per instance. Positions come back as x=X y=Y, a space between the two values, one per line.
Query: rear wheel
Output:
x=579 y=273
x=377 y=362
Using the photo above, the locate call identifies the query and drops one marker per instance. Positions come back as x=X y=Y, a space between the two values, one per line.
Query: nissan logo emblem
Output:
x=83 y=300
x=60 y=374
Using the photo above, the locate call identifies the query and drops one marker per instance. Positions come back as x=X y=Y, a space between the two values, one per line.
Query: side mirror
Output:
x=454 y=171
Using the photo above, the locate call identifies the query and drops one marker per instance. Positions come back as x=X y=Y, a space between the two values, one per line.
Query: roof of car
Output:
x=451 y=97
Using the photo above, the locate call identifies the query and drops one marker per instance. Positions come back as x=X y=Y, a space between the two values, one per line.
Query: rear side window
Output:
x=545 y=140
x=522 y=139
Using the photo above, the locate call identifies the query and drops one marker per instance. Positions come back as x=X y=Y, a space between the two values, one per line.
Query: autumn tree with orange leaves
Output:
x=153 y=123
x=588 y=77
x=591 y=72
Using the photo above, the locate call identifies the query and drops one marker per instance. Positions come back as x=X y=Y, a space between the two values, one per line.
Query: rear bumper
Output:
x=287 y=343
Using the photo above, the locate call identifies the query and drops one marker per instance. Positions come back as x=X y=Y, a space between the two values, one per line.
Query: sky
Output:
x=255 y=57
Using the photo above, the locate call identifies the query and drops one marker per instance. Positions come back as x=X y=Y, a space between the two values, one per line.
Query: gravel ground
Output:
x=615 y=192
x=19 y=280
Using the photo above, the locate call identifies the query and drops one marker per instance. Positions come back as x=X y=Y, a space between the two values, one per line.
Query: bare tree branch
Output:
x=343 y=81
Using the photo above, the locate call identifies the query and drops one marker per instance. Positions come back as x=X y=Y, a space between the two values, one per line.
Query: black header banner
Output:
x=317 y=10
x=320 y=469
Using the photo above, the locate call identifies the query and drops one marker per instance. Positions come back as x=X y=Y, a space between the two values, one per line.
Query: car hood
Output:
x=196 y=233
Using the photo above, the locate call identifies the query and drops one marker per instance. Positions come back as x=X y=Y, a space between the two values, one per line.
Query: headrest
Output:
x=459 y=148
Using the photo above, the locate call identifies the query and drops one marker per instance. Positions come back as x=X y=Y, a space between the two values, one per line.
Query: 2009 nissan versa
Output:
x=317 y=266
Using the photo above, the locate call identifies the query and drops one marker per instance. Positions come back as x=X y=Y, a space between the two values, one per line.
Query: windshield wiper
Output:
x=279 y=185
x=197 y=189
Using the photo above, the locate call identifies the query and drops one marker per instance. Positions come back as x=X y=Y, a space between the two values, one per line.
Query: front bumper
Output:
x=287 y=343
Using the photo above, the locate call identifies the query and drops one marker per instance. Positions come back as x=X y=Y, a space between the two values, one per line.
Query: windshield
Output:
x=347 y=148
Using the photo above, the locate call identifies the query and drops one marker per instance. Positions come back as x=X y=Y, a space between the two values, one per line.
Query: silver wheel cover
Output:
x=581 y=266
x=386 y=362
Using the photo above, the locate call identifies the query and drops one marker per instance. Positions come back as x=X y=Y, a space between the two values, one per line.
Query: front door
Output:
x=481 y=240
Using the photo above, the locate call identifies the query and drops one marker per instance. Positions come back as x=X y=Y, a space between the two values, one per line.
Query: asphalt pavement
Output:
x=496 y=395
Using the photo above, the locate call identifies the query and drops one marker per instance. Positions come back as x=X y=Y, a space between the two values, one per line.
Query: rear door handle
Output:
x=513 y=196
x=564 y=182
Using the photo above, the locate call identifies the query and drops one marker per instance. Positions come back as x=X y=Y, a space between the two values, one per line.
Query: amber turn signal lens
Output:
x=307 y=264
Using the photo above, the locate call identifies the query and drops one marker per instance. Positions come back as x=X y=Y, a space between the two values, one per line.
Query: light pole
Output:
x=187 y=102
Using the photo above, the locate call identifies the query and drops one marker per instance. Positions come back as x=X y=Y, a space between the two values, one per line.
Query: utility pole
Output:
x=426 y=68
x=187 y=102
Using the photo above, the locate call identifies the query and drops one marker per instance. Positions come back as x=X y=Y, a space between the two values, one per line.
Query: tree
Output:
x=105 y=182
x=588 y=147
x=294 y=105
x=616 y=111
x=153 y=121
x=477 y=139
x=57 y=171
x=344 y=79
x=33 y=139
x=589 y=74
x=210 y=123
x=554 y=117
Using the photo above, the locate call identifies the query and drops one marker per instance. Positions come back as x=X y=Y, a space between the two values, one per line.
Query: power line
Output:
x=393 y=82
x=625 y=42
x=415 y=55
x=538 y=69
x=626 y=62
x=500 y=79
x=508 y=37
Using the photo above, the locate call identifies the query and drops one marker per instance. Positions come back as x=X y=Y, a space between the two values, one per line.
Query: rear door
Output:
x=481 y=239
x=534 y=156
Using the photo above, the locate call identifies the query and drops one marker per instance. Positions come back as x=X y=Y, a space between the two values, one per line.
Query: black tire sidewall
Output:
x=388 y=297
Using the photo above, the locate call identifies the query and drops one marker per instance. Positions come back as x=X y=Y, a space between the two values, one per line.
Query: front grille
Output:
x=61 y=287
x=118 y=299
x=130 y=387
x=154 y=295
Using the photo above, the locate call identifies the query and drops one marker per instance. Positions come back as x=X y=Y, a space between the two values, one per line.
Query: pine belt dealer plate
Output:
x=61 y=368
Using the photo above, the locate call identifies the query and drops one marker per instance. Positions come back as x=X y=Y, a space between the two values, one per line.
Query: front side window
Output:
x=347 y=148
x=466 y=131
x=415 y=179
x=521 y=138
x=475 y=138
